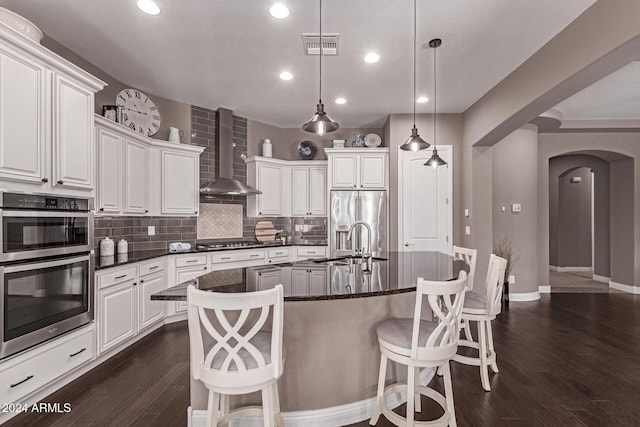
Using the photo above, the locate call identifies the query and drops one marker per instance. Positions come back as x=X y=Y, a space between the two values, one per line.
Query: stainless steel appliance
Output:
x=46 y=268
x=347 y=207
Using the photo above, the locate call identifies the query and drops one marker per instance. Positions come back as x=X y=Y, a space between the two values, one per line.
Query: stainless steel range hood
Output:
x=224 y=183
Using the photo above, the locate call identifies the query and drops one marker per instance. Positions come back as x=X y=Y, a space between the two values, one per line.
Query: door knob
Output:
x=406 y=243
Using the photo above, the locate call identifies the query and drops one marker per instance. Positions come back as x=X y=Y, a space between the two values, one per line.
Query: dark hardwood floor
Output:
x=566 y=360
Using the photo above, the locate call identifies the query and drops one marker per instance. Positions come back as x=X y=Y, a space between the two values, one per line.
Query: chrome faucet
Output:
x=366 y=254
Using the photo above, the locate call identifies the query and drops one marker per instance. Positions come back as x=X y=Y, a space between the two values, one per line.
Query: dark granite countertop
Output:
x=313 y=280
x=137 y=256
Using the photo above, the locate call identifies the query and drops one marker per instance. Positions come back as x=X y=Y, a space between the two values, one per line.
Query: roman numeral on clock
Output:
x=128 y=92
x=132 y=126
x=138 y=95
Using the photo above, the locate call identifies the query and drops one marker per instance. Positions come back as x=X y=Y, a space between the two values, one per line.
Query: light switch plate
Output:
x=466 y=213
x=516 y=207
x=467 y=230
x=512 y=279
x=151 y=230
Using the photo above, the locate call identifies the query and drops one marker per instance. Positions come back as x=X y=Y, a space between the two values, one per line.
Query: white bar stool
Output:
x=470 y=256
x=419 y=343
x=231 y=354
x=482 y=309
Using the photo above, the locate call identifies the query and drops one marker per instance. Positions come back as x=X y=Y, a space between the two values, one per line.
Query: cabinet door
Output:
x=109 y=179
x=150 y=312
x=269 y=179
x=300 y=191
x=269 y=279
x=344 y=171
x=116 y=315
x=299 y=282
x=373 y=171
x=72 y=134
x=184 y=275
x=136 y=167
x=180 y=183
x=318 y=281
x=22 y=118
x=317 y=191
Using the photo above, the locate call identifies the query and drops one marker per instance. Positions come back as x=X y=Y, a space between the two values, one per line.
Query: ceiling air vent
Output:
x=311 y=43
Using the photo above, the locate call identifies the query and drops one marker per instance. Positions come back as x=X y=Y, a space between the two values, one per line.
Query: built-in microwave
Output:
x=35 y=226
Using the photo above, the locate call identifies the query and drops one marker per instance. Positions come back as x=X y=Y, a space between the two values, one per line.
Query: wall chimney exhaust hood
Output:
x=224 y=184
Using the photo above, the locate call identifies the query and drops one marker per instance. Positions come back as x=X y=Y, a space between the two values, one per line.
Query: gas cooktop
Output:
x=226 y=245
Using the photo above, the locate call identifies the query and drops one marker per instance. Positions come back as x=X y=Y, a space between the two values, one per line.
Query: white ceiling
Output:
x=217 y=53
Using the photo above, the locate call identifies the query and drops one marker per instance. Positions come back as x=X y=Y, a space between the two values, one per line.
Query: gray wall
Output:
x=285 y=140
x=600 y=167
x=625 y=239
x=574 y=219
x=174 y=114
x=622 y=221
x=515 y=180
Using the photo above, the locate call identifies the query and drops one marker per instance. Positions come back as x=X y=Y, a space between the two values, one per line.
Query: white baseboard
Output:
x=327 y=417
x=175 y=318
x=530 y=296
x=554 y=268
x=574 y=269
x=625 y=288
x=602 y=279
x=544 y=289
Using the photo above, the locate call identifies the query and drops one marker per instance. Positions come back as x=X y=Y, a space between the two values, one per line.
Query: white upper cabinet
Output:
x=180 y=183
x=46 y=119
x=289 y=188
x=109 y=182
x=72 y=134
x=136 y=165
x=364 y=168
x=22 y=117
x=308 y=191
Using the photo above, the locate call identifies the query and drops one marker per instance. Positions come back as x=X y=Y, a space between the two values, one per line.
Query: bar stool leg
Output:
x=380 y=396
x=418 y=403
x=224 y=407
x=276 y=405
x=494 y=364
x=411 y=411
x=212 y=405
x=448 y=391
x=267 y=407
x=467 y=330
x=484 y=368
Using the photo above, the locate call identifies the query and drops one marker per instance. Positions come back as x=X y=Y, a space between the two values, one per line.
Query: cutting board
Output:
x=266 y=232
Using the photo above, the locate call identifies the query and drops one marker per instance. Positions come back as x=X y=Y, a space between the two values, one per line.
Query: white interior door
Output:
x=425 y=205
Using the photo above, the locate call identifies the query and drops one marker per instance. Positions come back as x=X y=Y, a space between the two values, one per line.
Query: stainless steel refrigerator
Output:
x=347 y=207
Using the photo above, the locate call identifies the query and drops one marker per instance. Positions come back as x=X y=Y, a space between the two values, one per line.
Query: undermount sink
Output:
x=348 y=260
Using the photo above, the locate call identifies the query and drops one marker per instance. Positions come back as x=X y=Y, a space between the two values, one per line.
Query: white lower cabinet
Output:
x=33 y=370
x=117 y=314
x=184 y=274
x=150 y=311
x=306 y=281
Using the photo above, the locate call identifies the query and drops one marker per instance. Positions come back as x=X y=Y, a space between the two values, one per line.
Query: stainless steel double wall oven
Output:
x=46 y=268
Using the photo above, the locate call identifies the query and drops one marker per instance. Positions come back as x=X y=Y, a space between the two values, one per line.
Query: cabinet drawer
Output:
x=30 y=374
x=234 y=256
x=114 y=277
x=191 y=261
x=152 y=267
x=312 y=251
x=278 y=253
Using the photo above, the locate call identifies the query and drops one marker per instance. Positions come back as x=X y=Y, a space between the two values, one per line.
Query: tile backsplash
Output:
x=218 y=221
x=135 y=231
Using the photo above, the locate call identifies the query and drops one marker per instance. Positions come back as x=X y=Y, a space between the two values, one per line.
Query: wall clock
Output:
x=139 y=112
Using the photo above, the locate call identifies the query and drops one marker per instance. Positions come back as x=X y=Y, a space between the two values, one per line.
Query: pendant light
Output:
x=414 y=143
x=435 y=160
x=320 y=123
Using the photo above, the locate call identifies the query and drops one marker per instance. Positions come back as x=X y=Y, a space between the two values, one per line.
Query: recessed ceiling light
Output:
x=422 y=100
x=340 y=101
x=285 y=75
x=371 y=58
x=279 y=11
x=148 y=7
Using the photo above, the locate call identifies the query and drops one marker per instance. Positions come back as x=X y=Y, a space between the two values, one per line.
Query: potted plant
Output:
x=283 y=235
x=504 y=248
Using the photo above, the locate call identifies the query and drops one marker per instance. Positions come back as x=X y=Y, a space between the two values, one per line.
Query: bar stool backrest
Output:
x=494 y=284
x=470 y=257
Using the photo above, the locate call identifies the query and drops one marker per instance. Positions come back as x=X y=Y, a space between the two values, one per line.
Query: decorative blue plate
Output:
x=307 y=150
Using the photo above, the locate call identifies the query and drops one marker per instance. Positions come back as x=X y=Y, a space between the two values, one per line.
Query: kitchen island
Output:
x=331 y=312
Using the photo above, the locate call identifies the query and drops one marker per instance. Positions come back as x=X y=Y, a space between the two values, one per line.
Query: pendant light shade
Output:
x=320 y=123
x=435 y=160
x=414 y=143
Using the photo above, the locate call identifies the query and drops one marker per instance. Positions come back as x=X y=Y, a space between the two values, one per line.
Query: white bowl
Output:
x=20 y=24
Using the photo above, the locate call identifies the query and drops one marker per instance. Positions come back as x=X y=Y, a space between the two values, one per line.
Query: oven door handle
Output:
x=44 y=264
x=47 y=214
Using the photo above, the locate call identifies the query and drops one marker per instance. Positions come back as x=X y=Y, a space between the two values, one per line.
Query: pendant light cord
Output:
x=414 y=62
x=320 y=32
x=435 y=89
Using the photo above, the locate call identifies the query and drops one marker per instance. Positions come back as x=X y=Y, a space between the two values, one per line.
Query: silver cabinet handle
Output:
x=225 y=257
x=154 y=267
x=23 y=381
x=311 y=252
x=255 y=255
x=279 y=253
x=77 y=352
x=120 y=277
x=192 y=260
